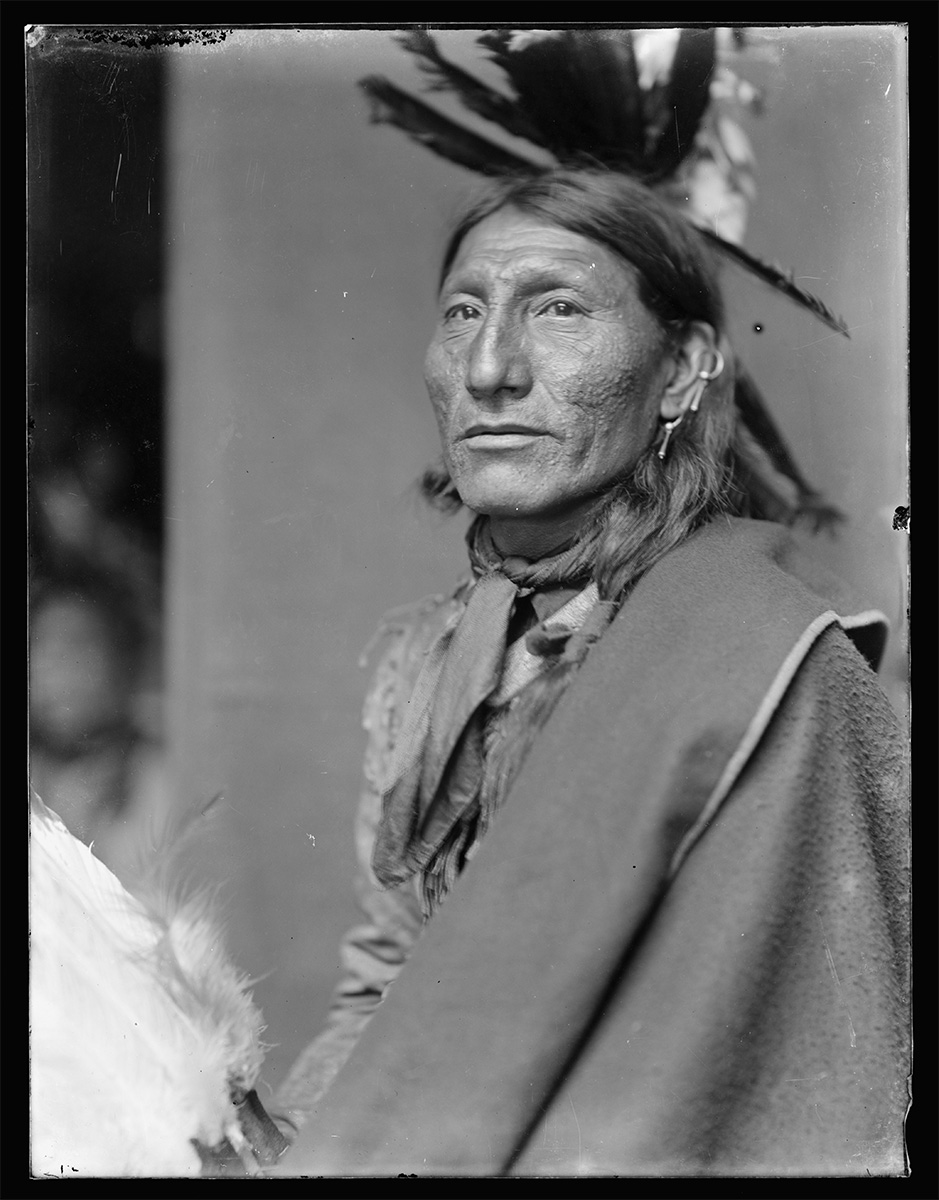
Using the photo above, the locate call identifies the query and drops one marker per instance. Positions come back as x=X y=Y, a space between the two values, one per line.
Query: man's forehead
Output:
x=511 y=244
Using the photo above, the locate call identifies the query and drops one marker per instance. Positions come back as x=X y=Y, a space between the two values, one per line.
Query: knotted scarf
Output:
x=437 y=769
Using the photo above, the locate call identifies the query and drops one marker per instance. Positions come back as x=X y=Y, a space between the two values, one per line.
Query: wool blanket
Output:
x=682 y=949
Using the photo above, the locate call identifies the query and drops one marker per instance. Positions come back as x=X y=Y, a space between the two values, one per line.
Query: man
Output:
x=681 y=947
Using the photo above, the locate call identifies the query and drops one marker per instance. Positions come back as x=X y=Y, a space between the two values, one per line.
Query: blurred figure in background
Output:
x=95 y=753
x=95 y=649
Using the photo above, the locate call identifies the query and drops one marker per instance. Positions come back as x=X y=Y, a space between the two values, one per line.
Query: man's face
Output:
x=545 y=370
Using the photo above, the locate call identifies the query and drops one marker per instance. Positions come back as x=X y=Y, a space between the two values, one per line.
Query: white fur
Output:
x=140 y=1024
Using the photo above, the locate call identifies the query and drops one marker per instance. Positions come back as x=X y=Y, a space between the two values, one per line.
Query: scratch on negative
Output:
x=834 y=975
x=580 y=1140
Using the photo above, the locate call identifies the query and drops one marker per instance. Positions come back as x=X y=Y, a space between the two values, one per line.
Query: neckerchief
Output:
x=437 y=765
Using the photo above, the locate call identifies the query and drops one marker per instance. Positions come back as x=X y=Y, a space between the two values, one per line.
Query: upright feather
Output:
x=580 y=89
x=675 y=109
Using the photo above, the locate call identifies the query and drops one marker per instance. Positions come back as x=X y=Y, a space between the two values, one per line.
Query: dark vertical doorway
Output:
x=95 y=267
x=95 y=412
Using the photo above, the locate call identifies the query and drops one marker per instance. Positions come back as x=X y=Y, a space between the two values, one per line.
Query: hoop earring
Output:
x=704 y=378
x=669 y=427
x=715 y=370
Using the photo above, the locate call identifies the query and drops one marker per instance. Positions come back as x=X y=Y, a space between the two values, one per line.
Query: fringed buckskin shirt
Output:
x=682 y=947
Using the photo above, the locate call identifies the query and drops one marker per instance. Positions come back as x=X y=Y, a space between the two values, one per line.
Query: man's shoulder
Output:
x=398 y=648
x=395 y=655
x=764 y=572
x=416 y=625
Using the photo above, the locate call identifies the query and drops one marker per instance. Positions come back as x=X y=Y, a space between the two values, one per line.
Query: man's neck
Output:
x=533 y=538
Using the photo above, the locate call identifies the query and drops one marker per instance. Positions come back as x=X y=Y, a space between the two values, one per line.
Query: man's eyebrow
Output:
x=535 y=279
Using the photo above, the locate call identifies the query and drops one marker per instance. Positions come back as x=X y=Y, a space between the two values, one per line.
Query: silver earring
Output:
x=704 y=378
x=699 y=387
x=716 y=369
x=669 y=427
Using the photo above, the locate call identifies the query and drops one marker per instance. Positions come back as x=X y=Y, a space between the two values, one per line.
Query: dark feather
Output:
x=581 y=89
x=682 y=103
x=766 y=433
x=607 y=86
x=780 y=280
x=817 y=513
x=760 y=500
x=757 y=418
x=476 y=95
x=541 y=77
x=391 y=106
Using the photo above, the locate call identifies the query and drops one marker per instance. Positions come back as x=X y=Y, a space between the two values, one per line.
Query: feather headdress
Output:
x=656 y=104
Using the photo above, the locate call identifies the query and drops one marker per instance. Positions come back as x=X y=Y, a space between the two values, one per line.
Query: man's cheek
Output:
x=440 y=403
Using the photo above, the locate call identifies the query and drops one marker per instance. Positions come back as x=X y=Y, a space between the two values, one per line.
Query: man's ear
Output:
x=693 y=362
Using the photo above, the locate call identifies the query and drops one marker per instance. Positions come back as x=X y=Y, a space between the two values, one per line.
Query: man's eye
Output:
x=461 y=312
x=561 y=308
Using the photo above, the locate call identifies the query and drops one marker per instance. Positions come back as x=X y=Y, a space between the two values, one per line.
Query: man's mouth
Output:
x=500 y=436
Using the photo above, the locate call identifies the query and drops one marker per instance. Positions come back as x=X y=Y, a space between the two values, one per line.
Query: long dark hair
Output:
x=712 y=465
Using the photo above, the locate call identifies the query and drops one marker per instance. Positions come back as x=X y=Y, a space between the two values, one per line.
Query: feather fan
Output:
x=145 y=1040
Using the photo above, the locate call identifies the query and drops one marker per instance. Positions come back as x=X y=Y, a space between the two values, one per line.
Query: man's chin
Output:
x=520 y=509
x=504 y=507
x=499 y=492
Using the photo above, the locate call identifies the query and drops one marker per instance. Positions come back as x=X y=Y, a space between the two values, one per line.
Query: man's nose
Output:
x=498 y=366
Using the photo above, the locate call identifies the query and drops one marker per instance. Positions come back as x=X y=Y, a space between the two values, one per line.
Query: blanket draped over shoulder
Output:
x=682 y=949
